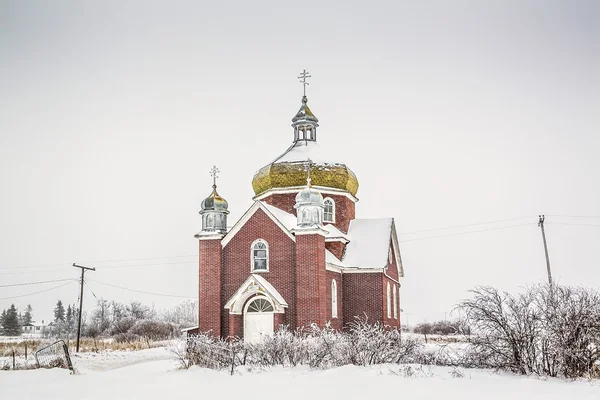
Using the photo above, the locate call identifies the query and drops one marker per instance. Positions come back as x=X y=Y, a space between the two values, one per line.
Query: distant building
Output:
x=298 y=255
x=37 y=330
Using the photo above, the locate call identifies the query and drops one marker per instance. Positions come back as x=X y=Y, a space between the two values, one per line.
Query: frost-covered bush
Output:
x=361 y=344
x=547 y=330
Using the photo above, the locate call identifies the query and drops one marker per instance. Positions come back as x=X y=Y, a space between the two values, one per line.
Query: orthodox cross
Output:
x=308 y=166
x=303 y=75
x=213 y=172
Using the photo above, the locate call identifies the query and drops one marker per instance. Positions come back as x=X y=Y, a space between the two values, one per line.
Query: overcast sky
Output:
x=449 y=113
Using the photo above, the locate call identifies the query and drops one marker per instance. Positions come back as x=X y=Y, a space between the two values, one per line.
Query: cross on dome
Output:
x=303 y=75
x=308 y=167
x=214 y=171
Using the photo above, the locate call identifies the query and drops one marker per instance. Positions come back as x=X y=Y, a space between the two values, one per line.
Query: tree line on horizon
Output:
x=126 y=322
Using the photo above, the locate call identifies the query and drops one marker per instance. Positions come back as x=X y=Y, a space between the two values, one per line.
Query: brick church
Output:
x=298 y=255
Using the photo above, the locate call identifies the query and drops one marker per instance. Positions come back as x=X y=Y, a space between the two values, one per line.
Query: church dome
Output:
x=289 y=169
x=214 y=202
x=309 y=196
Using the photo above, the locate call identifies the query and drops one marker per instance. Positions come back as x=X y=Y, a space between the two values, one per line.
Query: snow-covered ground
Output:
x=154 y=374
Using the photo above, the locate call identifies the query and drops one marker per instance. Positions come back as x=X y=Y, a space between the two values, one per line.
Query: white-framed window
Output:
x=334 y=304
x=390 y=256
x=329 y=210
x=389 y=301
x=395 y=303
x=260 y=256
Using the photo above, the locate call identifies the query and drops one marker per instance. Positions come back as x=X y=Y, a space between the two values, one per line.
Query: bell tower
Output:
x=214 y=226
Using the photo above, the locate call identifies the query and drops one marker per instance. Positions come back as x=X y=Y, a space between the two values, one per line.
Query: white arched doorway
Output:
x=258 y=319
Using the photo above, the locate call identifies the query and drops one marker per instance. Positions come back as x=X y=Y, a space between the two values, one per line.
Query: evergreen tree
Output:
x=59 y=312
x=69 y=319
x=2 y=318
x=28 y=316
x=11 y=322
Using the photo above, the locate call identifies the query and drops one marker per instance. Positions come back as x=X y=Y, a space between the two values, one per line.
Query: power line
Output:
x=103 y=267
x=466 y=226
x=90 y=289
x=567 y=223
x=147 y=265
x=37 y=283
x=573 y=216
x=141 y=291
x=98 y=262
x=465 y=233
x=32 y=272
x=41 y=291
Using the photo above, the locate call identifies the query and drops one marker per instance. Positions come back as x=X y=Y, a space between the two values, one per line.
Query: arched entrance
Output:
x=258 y=319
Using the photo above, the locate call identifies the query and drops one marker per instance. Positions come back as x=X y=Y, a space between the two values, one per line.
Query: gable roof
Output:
x=370 y=243
x=255 y=284
x=251 y=211
x=369 y=239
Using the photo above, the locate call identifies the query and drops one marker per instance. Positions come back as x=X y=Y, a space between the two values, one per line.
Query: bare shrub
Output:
x=154 y=330
x=547 y=330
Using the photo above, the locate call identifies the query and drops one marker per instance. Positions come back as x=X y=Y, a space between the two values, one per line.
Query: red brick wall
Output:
x=278 y=319
x=236 y=325
x=363 y=294
x=311 y=280
x=237 y=263
x=344 y=207
x=336 y=323
x=392 y=322
x=209 y=298
x=336 y=248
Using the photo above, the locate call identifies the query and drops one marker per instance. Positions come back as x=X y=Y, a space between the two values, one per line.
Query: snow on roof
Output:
x=191 y=328
x=270 y=289
x=288 y=220
x=331 y=259
x=369 y=243
x=334 y=232
x=303 y=150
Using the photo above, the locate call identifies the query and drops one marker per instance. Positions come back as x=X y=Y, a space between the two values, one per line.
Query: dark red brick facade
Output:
x=336 y=248
x=209 y=312
x=297 y=270
x=311 y=290
x=237 y=262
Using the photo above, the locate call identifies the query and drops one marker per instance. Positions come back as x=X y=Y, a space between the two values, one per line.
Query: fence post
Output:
x=25 y=352
x=13 y=359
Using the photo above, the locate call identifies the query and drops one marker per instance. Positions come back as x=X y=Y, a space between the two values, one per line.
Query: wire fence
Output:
x=55 y=355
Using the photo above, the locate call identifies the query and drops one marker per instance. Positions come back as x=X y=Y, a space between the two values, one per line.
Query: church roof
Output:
x=370 y=243
x=302 y=151
x=368 y=239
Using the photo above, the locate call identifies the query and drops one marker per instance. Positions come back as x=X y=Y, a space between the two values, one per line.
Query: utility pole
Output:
x=541 y=225
x=83 y=269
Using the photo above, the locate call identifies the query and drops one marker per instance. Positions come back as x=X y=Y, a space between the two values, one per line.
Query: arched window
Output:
x=329 y=210
x=260 y=256
x=395 y=303
x=334 y=306
x=389 y=301
x=260 y=305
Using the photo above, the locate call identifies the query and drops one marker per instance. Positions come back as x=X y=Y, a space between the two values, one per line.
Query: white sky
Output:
x=449 y=113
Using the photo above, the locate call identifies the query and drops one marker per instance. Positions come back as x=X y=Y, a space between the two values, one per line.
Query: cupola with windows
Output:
x=288 y=170
x=309 y=205
x=214 y=210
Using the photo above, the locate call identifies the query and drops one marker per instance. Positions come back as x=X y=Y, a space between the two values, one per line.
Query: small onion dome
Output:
x=214 y=202
x=309 y=197
x=304 y=114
